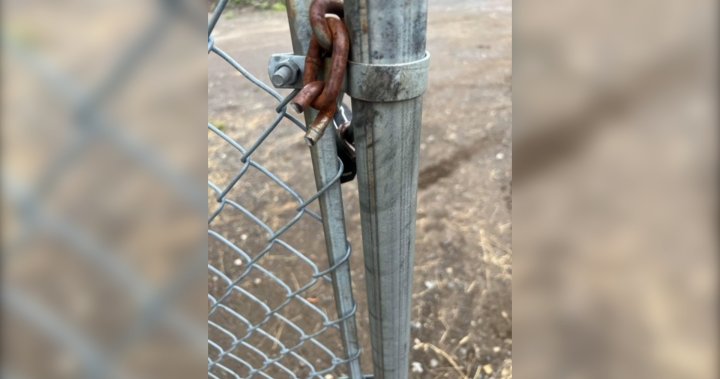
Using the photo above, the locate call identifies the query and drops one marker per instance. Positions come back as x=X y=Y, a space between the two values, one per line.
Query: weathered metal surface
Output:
x=317 y=128
x=387 y=140
x=340 y=52
x=309 y=92
x=286 y=70
x=326 y=100
x=313 y=61
x=388 y=82
x=320 y=27
x=298 y=12
x=326 y=165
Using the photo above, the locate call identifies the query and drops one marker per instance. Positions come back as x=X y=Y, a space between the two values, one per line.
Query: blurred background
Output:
x=615 y=196
x=614 y=153
x=103 y=166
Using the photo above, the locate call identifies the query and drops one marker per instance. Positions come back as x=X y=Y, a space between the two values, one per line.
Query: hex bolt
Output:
x=283 y=76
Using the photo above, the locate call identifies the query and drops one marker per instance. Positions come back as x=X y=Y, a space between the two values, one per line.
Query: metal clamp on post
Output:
x=398 y=81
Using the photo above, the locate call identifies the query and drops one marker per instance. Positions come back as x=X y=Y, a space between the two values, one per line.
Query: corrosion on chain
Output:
x=321 y=30
x=322 y=95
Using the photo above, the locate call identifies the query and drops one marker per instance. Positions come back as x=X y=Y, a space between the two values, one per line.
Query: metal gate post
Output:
x=326 y=167
x=386 y=78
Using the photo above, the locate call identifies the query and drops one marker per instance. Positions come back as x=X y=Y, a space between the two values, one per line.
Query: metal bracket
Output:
x=388 y=82
x=286 y=70
x=401 y=81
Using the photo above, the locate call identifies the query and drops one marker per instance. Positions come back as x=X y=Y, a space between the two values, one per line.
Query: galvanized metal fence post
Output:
x=386 y=78
x=326 y=165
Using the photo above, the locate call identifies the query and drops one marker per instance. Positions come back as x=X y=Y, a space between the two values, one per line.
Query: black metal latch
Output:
x=345 y=142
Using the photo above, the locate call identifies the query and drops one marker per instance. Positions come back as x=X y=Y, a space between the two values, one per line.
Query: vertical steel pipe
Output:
x=387 y=141
x=326 y=167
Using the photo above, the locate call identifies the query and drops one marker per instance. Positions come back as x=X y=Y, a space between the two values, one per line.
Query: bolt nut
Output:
x=283 y=76
x=286 y=74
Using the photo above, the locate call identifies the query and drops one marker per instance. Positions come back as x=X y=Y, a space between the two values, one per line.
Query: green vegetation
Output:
x=221 y=125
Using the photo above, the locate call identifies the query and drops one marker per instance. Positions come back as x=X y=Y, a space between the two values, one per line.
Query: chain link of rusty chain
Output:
x=329 y=38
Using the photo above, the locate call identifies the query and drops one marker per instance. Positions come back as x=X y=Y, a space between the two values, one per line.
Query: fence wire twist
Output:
x=263 y=321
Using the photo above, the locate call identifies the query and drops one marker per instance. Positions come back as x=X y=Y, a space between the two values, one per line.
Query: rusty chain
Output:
x=320 y=28
x=330 y=38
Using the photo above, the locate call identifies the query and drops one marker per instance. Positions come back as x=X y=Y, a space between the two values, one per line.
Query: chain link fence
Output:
x=272 y=302
x=280 y=301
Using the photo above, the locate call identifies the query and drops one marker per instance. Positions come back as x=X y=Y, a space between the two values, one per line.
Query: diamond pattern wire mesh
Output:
x=271 y=305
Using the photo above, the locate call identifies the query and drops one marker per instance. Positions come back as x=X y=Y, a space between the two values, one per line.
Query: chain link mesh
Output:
x=271 y=304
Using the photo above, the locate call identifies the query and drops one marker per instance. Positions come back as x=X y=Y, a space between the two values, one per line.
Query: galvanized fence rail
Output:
x=265 y=318
x=387 y=77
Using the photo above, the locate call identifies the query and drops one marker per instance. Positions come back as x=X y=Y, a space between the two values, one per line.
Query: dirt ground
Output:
x=462 y=307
